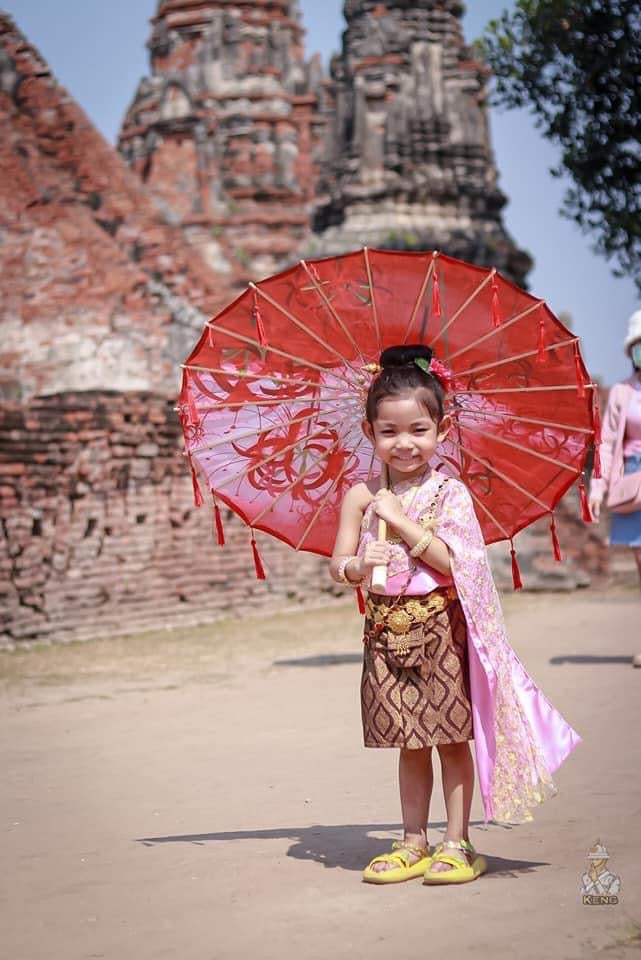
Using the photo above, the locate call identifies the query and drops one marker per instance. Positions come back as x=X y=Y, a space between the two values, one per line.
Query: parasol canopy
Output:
x=273 y=394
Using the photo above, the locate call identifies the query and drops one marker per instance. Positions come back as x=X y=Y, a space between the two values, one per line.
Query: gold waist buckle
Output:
x=411 y=611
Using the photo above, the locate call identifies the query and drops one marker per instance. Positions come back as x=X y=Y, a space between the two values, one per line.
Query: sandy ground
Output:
x=205 y=796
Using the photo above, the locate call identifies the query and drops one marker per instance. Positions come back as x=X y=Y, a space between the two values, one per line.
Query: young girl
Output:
x=438 y=670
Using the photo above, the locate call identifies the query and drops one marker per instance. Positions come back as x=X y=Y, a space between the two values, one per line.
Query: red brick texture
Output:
x=99 y=533
x=98 y=290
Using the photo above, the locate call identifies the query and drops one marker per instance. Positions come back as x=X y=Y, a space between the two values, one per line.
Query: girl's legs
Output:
x=458 y=787
x=415 y=780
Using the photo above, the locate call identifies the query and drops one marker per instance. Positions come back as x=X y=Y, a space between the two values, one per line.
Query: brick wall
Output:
x=99 y=534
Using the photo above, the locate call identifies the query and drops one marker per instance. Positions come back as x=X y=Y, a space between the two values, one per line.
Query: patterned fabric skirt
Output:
x=425 y=703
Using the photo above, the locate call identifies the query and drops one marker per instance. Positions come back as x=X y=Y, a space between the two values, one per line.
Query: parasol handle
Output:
x=379 y=574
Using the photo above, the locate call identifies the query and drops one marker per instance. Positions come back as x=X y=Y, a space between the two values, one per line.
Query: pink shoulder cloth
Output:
x=520 y=739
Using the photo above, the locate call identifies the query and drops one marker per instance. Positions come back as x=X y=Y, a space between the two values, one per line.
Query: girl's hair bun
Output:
x=405 y=354
x=406 y=368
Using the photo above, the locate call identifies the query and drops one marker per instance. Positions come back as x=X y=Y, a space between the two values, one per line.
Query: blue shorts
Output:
x=625 y=529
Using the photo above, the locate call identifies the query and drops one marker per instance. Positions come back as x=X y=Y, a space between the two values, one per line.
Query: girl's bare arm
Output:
x=349 y=528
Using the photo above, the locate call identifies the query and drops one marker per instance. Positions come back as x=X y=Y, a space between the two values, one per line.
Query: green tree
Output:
x=576 y=64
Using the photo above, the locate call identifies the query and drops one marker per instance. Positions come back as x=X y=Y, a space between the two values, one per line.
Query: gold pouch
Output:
x=397 y=627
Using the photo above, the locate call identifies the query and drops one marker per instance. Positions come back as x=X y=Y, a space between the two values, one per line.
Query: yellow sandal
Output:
x=461 y=871
x=400 y=866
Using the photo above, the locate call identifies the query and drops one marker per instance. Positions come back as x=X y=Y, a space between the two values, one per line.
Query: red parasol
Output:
x=272 y=395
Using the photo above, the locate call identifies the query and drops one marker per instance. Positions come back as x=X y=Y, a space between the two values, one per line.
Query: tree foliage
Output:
x=576 y=64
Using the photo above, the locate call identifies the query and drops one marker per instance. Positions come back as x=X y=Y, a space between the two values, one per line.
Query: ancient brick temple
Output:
x=226 y=131
x=261 y=159
x=98 y=289
x=99 y=534
x=109 y=269
x=102 y=298
x=409 y=159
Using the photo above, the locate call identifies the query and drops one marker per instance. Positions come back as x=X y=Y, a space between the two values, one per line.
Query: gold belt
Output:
x=400 y=615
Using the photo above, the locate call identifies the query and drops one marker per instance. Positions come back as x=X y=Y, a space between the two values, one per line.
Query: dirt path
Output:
x=206 y=796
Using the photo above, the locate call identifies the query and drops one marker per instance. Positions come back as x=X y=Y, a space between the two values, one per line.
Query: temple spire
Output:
x=409 y=160
x=224 y=128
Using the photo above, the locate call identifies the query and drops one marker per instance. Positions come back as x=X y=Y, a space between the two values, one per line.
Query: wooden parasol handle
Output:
x=379 y=574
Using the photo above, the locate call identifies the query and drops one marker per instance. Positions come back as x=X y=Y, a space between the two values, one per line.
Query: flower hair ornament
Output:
x=412 y=354
x=438 y=369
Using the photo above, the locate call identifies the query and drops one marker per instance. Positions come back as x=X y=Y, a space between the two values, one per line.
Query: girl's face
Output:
x=404 y=435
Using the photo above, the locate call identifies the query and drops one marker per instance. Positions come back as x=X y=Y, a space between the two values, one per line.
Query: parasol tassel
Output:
x=596 y=415
x=361 y=601
x=580 y=386
x=542 y=355
x=258 y=320
x=191 y=404
x=555 y=540
x=198 y=497
x=585 y=509
x=516 y=573
x=496 y=310
x=436 y=296
x=218 y=520
x=258 y=563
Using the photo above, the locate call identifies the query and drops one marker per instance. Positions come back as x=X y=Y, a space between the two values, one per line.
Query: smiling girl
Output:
x=437 y=668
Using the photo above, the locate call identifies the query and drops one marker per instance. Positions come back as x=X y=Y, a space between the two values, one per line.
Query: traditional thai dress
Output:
x=440 y=668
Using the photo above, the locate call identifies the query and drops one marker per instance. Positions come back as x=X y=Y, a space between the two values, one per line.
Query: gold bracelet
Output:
x=422 y=545
x=342 y=574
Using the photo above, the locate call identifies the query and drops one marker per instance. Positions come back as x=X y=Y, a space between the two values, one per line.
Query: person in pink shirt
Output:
x=438 y=670
x=624 y=400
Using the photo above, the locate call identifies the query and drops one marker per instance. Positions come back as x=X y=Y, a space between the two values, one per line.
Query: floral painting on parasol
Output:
x=272 y=396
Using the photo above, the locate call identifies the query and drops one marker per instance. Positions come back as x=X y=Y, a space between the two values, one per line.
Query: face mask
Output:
x=635 y=356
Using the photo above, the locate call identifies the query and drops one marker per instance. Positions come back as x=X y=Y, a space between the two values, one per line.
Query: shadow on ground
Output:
x=336 y=659
x=321 y=660
x=347 y=846
x=589 y=658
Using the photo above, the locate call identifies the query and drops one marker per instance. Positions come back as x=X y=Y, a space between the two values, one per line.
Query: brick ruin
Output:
x=99 y=533
x=409 y=162
x=99 y=290
x=227 y=130
x=261 y=159
x=103 y=298
x=109 y=269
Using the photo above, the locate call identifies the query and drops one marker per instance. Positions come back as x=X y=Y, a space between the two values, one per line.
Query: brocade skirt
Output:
x=425 y=704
